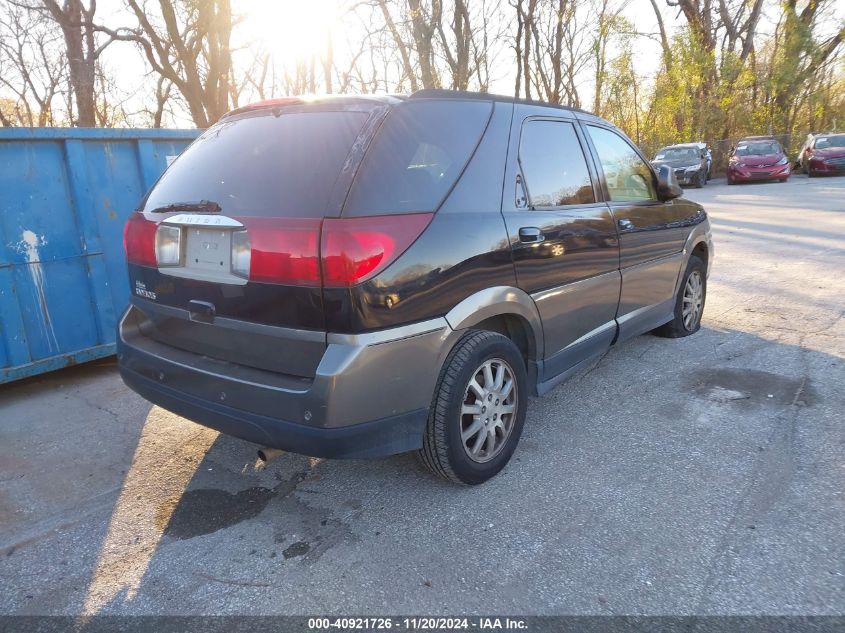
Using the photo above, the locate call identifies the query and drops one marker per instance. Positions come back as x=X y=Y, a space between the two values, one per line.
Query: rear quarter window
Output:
x=263 y=164
x=417 y=156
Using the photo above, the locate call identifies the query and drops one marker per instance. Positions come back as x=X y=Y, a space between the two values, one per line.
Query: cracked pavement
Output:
x=695 y=476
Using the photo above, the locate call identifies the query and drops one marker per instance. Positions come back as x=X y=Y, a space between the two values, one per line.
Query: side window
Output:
x=553 y=165
x=416 y=156
x=629 y=179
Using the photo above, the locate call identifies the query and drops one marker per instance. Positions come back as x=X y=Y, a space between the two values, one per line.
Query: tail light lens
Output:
x=241 y=253
x=356 y=249
x=139 y=240
x=335 y=252
x=168 y=240
x=279 y=250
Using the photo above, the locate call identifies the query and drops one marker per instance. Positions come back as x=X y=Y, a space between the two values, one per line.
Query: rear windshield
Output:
x=263 y=165
x=417 y=156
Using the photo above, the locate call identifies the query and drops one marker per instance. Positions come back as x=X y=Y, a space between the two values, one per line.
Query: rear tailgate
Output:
x=274 y=174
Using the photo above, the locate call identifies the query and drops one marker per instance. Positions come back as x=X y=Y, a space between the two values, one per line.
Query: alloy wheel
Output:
x=692 y=300
x=489 y=410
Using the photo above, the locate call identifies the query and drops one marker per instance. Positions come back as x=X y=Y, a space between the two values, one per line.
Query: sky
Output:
x=290 y=27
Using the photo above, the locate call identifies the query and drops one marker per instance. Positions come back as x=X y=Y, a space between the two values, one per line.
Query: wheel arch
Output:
x=702 y=251
x=506 y=310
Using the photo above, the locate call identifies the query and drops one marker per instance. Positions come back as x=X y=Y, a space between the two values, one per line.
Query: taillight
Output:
x=355 y=249
x=168 y=242
x=335 y=252
x=279 y=250
x=139 y=240
x=241 y=253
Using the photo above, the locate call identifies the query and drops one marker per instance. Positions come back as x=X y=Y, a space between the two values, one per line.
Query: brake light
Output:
x=356 y=249
x=139 y=240
x=279 y=250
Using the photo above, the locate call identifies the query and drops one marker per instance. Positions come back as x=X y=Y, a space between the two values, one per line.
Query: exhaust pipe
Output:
x=268 y=454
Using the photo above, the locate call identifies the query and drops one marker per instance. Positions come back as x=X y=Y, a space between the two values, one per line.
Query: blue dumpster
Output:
x=64 y=197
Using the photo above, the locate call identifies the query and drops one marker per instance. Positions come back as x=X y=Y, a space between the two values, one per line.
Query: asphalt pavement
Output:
x=697 y=476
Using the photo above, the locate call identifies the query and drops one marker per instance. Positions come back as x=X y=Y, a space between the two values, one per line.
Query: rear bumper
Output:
x=387 y=436
x=369 y=397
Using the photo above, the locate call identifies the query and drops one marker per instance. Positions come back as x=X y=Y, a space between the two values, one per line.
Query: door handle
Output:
x=625 y=225
x=531 y=235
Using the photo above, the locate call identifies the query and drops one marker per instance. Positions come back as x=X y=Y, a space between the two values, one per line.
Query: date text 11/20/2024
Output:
x=417 y=624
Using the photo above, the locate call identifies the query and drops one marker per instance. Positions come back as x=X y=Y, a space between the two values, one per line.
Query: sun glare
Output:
x=291 y=30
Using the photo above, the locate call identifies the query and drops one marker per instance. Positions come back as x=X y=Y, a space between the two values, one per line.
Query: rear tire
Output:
x=811 y=173
x=484 y=370
x=689 y=302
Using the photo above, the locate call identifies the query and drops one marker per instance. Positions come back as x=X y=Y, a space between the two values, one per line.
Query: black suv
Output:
x=361 y=276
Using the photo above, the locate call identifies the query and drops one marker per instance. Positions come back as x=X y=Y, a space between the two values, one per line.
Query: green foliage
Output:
x=788 y=84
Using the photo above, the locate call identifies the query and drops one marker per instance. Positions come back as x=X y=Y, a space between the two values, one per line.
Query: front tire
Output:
x=478 y=411
x=689 y=302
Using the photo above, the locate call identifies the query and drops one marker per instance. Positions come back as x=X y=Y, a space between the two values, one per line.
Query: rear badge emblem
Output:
x=141 y=291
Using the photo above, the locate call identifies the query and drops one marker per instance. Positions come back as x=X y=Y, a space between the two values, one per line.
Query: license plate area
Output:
x=206 y=256
x=208 y=249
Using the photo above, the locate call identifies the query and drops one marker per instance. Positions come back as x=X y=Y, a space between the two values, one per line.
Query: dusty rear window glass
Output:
x=417 y=156
x=263 y=165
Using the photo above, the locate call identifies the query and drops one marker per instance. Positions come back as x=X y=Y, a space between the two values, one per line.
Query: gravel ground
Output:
x=694 y=476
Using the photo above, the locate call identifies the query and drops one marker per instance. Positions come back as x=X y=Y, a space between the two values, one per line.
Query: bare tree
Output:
x=609 y=23
x=553 y=47
x=187 y=43
x=31 y=67
x=84 y=43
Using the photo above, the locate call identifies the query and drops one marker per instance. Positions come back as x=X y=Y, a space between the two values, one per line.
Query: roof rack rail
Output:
x=444 y=93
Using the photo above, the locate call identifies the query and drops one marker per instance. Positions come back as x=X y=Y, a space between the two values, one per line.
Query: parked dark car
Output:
x=362 y=276
x=688 y=160
x=825 y=155
x=758 y=158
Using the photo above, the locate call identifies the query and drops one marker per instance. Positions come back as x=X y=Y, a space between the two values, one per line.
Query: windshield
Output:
x=678 y=153
x=757 y=149
x=825 y=142
x=262 y=164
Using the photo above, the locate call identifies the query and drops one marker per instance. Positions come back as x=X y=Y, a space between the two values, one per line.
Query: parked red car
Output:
x=826 y=155
x=758 y=158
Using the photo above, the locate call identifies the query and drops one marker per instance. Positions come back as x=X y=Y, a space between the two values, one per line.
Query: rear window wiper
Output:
x=201 y=206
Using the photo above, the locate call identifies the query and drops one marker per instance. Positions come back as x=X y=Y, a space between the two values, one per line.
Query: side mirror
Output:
x=667 y=184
